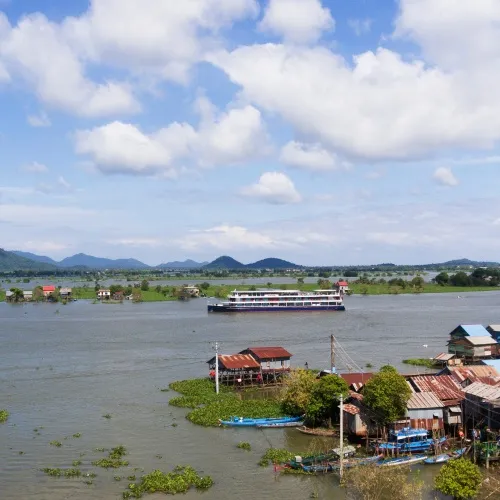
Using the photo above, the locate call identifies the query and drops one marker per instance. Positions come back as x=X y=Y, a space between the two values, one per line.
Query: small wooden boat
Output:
x=279 y=425
x=317 y=432
x=335 y=466
x=445 y=457
x=406 y=460
x=253 y=422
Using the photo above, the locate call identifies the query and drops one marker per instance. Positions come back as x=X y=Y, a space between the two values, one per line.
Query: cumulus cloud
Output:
x=226 y=138
x=275 y=188
x=300 y=21
x=360 y=26
x=445 y=177
x=40 y=120
x=35 y=168
x=309 y=157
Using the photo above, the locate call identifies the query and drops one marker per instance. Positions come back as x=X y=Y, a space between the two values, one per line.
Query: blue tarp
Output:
x=474 y=330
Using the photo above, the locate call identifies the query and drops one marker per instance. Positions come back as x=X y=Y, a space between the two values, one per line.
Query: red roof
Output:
x=356 y=380
x=444 y=387
x=268 y=352
x=238 y=361
x=353 y=410
x=342 y=283
x=475 y=373
x=49 y=288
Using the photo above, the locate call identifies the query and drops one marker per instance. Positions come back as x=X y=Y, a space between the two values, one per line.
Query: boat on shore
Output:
x=254 y=422
x=445 y=457
x=279 y=425
x=317 y=432
x=405 y=460
x=280 y=300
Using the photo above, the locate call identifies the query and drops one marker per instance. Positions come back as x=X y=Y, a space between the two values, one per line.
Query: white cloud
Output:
x=275 y=188
x=40 y=120
x=221 y=139
x=445 y=177
x=309 y=157
x=64 y=184
x=300 y=21
x=37 y=51
x=360 y=26
x=35 y=168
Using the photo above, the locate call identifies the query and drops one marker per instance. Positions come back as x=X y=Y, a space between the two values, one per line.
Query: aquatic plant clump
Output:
x=56 y=472
x=55 y=443
x=275 y=456
x=428 y=363
x=114 y=459
x=178 y=481
x=244 y=446
x=4 y=415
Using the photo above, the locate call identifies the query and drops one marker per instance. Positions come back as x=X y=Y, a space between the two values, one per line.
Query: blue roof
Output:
x=495 y=363
x=475 y=330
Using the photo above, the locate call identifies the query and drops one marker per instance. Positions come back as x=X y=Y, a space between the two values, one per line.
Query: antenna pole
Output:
x=332 y=354
x=217 y=367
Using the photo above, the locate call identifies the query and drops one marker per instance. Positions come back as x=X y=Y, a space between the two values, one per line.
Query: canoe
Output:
x=317 y=432
x=279 y=425
x=407 y=460
x=335 y=465
x=253 y=422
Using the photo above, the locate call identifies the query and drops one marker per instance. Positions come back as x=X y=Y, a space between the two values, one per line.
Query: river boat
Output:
x=405 y=460
x=330 y=456
x=280 y=300
x=253 y=422
x=445 y=457
x=409 y=440
x=317 y=432
x=279 y=425
x=347 y=464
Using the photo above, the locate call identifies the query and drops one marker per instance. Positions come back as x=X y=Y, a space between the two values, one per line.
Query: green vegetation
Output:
x=377 y=483
x=243 y=445
x=76 y=463
x=55 y=443
x=4 y=415
x=386 y=394
x=178 y=481
x=62 y=472
x=209 y=408
x=114 y=459
x=428 y=363
x=106 y=416
x=77 y=435
x=460 y=479
x=275 y=456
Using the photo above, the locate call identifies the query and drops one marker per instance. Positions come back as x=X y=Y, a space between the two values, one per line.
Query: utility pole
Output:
x=341 y=469
x=332 y=354
x=217 y=367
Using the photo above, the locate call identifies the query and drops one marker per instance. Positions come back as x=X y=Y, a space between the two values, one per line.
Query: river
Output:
x=64 y=366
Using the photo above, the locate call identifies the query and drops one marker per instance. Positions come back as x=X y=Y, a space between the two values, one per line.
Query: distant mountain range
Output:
x=17 y=260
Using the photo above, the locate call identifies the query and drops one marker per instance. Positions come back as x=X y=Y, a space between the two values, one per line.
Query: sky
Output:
x=322 y=132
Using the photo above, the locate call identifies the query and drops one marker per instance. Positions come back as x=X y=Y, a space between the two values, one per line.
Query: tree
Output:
x=38 y=294
x=380 y=483
x=18 y=295
x=324 y=274
x=387 y=394
x=269 y=284
x=158 y=288
x=300 y=281
x=115 y=288
x=204 y=285
x=442 y=278
x=324 y=399
x=297 y=387
x=461 y=479
x=144 y=285
x=460 y=279
x=324 y=284
x=418 y=282
x=136 y=295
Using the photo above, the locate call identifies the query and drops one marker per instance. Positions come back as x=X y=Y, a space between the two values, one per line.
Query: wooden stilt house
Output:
x=273 y=362
x=236 y=369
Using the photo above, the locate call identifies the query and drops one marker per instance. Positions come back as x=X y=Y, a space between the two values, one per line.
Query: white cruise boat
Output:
x=280 y=300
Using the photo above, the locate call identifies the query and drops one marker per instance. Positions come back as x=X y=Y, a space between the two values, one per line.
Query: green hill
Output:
x=9 y=261
x=272 y=263
x=225 y=262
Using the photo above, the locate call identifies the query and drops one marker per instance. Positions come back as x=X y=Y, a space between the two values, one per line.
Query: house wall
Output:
x=275 y=365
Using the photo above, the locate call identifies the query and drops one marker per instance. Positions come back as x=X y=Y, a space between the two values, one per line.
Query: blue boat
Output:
x=398 y=461
x=445 y=457
x=280 y=425
x=253 y=422
x=409 y=440
x=335 y=466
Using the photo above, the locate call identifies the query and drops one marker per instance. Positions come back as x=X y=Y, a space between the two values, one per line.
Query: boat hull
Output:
x=278 y=425
x=230 y=309
x=254 y=422
x=393 y=462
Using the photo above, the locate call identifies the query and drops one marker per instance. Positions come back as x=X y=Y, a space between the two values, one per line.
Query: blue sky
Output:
x=321 y=132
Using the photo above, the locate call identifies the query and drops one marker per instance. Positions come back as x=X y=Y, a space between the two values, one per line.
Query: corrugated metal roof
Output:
x=65 y=290
x=475 y=373
x=269 y=352
x=494 y=363
x=356 y=380
x=238 y=361
x=49 y=288
x=472 y=330
x=353 y=410
x=486 y=340
x=444 y=356
x=483 y=391
x=443 y=386
x=420 y=400
x=494 y=328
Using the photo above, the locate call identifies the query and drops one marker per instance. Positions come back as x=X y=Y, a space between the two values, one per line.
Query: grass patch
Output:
x=179 y=481
x=77 y=435
x=76 y=463
x=113 y=460
x=4 y=415
x=275 y=456
x=56 y=472
x=428 y=363
x=244 y=446
x=107 y=416
x=55 y=443
x=208 y=407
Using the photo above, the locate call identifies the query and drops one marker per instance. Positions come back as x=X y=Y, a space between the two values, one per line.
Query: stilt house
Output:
x=236 y=369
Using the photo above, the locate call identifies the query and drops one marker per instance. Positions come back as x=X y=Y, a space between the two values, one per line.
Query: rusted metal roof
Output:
x=49 y=288
x=263 y=353
x=444 y=387
x=444 y=356
x=483 y=391
x=420 y=400
x=353 y=410
x=356 y=380
x=237 y=361
x=475 y=373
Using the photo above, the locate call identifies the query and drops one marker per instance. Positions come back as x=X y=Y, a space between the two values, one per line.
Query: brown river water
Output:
x=63 y=367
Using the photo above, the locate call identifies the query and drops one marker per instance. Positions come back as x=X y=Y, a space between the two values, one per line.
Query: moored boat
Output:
x=405 y=460
x=253 y=422
x=347 y=464
x=317 y=432
x=279 y=425
x=280 y=300
x=409 y=440
x=445 y=457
